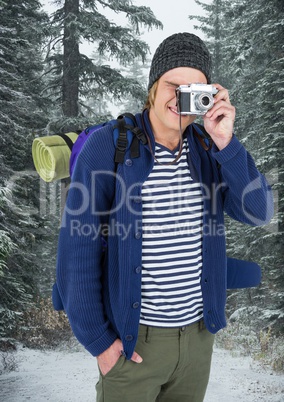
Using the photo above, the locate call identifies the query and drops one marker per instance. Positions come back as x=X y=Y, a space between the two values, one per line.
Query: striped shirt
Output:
x=172 y=243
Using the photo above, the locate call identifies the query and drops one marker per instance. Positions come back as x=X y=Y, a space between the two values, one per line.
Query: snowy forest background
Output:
x=47 y=86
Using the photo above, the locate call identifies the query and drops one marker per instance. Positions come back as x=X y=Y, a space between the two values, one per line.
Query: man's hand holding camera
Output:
x=213 y=103
x=219 y=121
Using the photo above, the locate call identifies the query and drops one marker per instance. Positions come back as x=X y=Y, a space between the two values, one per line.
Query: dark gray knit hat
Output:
x=180 y=50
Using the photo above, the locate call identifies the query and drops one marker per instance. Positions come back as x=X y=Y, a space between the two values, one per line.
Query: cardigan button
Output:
x=129 y=338
x=137 y=200
x=135 y=305
x=138 y=270
x=128 y=162
x=138 y=235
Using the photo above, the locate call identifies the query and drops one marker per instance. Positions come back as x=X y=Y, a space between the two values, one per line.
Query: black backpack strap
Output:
x=134 y=148
x=121 y=144
x=67 y=140
x=138 y=135
x=130 y=116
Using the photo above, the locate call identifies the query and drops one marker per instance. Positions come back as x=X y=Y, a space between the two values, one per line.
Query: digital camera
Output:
x=195 y=98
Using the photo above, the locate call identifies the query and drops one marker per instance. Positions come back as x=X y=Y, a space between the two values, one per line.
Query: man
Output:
x=149 y=305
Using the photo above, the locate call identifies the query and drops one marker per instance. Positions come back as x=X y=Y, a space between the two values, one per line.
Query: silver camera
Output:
x=195 y=98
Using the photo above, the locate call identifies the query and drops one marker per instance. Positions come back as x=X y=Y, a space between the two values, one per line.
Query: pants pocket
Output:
x=118 y=365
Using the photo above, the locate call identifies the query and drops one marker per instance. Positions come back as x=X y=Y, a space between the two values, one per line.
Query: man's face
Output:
x=163 y=115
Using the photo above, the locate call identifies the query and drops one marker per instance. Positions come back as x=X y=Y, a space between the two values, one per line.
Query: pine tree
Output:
x=213 y=26
x=136 y=72
x=81 y=77
x=20 y=83
x=21 y=112
x=9 y=286
x=102 y=102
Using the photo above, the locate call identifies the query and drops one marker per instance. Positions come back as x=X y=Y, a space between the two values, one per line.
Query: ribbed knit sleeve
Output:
x=247 y=195
x=80 y=251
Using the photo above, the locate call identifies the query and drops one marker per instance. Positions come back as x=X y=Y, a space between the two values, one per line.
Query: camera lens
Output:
x=204 y=101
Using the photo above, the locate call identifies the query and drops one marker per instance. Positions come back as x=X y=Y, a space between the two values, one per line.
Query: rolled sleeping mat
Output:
x=51 y=155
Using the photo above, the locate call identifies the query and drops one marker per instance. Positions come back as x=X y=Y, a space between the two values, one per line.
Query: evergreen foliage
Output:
x=80 y=77
x=137 y=71
x=21 y=112
x=20 y=83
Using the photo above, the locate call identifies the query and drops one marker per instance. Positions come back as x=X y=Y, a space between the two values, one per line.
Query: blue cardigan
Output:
x=100 y=287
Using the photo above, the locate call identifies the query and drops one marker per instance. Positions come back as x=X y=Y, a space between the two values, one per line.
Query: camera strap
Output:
x=198 y=130
x=151 y=149
x=204 y=138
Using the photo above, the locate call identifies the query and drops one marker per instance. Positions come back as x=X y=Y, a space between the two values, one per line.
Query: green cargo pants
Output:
x=175 y=368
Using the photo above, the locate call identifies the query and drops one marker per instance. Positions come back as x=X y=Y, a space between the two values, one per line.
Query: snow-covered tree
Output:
x=22 y=105
x=21 y=98
x=81 y=77
x=136 y=71
x=101 y=103
x=213 y=25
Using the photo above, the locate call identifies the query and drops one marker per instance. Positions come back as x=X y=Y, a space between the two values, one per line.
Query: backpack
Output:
x=126 y=134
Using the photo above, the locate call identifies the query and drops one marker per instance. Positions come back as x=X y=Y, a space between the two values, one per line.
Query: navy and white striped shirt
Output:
x=172 y=243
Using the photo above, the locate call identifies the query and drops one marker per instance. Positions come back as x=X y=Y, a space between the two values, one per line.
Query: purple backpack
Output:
x=126 y=134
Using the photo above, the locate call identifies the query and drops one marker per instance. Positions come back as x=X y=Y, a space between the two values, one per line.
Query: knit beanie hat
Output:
x=180 y=50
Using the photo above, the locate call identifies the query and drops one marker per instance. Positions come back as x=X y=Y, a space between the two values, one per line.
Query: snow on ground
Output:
x=70 y=376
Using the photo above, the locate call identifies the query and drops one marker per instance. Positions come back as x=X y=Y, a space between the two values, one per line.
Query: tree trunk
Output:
x=71 y=60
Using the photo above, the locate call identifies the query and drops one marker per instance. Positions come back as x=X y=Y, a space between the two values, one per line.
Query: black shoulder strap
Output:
x=138 y=135
x=121 y=144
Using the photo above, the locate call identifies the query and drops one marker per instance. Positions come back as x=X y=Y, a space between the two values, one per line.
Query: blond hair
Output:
x=151 y=96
